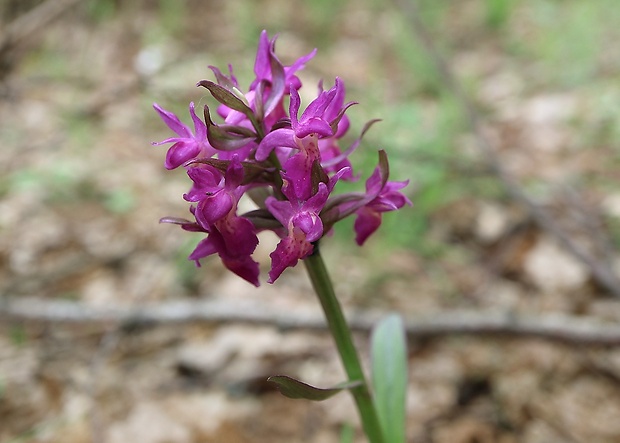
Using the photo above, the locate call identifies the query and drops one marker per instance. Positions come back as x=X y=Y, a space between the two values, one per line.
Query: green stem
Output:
x=344 y=342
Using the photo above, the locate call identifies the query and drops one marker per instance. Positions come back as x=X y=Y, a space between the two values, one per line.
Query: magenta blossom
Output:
x=320 y=118
x=187 y=145
x=217 y=194
x=263 y=64
x=233 y=240
x=381 y=196
x=234 y=245
x=302 y=223
x=287 y=163
x=300 y=217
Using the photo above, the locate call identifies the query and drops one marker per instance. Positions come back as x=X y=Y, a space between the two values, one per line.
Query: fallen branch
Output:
x=560 y=328
x=600 y=270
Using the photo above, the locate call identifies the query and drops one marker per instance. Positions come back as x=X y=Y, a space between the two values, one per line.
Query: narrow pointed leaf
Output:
x=384 y=167
x=292 y=388
x=262 y=219
x=389 y=376
x=317 y=175
x=258 y=100
x=226 y=97
x=234 y=100
x=226 y=137
x=334 y=123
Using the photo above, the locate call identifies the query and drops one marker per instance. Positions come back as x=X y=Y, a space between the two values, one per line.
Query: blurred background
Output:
x=504 y=116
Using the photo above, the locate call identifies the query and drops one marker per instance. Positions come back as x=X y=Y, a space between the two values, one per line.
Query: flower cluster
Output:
x=287 y=163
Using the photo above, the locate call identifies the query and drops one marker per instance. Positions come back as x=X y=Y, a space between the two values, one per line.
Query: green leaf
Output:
x=384 y=167
x=389 y=376
x=291 y=388
x=226 y=137
x=226 y=97
x=234 y=99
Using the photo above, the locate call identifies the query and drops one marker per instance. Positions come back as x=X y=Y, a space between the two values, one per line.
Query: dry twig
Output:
x=600 y=270
x=555 y=327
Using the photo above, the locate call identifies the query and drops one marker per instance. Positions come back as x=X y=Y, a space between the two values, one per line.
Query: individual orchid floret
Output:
x=301 y=222
x=322 y=115
x=187 y=145
x=334 y=112
x=303 y=226
x=232 y=238
x=369 y=216
x=381 y=196
x=268 y=69
x=217 y=195
x=234 y=245
x=318 y=118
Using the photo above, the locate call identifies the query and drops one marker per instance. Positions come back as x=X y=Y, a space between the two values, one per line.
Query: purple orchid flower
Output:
x=318 y=118
x=234 y=250
x=287 y=162
x=381 y=196
x=217 y=195
x=187 y=145
x=301 y=220
x=270 y=83
x=334 y=112
x=232 y=237
x=263 y=64
x=234 y=246
x=302 y=223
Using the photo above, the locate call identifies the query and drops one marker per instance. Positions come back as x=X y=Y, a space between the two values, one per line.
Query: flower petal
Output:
x=200 y=128
x=204 y=248
x=276 y=139
x=180 y=153
x=172 y=121
x=244 y=267
x=367 y=222
x=288 y=252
